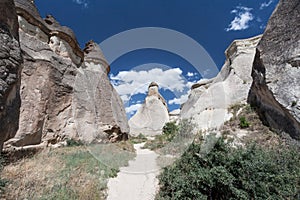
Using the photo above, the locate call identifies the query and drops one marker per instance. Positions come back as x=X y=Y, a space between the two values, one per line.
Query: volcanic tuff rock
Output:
x=276 y=90
x=65 y=92
x=98 y=108
x=10 y=67
x=151 y=116
x=209 y=100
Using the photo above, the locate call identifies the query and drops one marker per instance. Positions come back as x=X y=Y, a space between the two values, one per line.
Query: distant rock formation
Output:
x=209 y=100
x=174 y=115
x=65 y=92
x=10 y=68
x=276 y=70
x=151 y=116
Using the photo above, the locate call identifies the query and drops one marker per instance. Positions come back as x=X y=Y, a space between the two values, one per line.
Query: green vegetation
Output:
x=75 y=164
x=74 y=143
x=74 y=172
x=170 y=130
x=244 y=123
x=225 y=173
x=172 y=133
x=245 y=117
x=294 y=103
x=138 y=139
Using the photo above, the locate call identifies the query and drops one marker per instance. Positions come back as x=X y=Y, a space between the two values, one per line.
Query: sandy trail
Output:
x=138 y=180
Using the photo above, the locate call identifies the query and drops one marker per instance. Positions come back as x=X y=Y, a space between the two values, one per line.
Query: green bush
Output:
x=232 y=173
x=170 y=130
x=244 y=123
x=138 y=139
x=172 y=133
x=74 y=143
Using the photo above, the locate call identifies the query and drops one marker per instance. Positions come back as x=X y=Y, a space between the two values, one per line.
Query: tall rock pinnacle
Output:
x=65 y=92
x=152 y=115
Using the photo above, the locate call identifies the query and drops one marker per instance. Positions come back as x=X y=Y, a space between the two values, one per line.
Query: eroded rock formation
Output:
x=98 y=109
x=65 y=92
x=276 y=70
x=10 y=67
x=151 y=116
x=209 y=100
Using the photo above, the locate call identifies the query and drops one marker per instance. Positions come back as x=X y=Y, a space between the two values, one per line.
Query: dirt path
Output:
x=138 y=180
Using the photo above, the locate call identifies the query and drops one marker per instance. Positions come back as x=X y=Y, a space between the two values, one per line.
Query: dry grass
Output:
x=64 y=173
x=257 y=132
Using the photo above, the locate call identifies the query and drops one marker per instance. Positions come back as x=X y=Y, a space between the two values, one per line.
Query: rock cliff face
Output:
x=151 y=116
x=65 y=92
x=209 y=100
x=276 y=73
x=10 y=67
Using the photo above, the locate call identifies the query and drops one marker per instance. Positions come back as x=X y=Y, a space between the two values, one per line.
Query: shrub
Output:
x=138 y=139
x=170 y=130
x=186 y=127
x=230 y=173
x=244 y=123
x=74 y=143
x=172 y=133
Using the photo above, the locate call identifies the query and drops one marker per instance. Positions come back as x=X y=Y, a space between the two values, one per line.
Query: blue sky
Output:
x=213 y=24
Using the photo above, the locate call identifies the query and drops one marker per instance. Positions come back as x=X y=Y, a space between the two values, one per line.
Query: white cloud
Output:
x=132 y=108
x=234 y=11
x=241 y=20
x=262 y=26
x=129 y=83
x=180 y=100
x=265 y=4
x=191 y=74
x=83 y=3
x=184 y=96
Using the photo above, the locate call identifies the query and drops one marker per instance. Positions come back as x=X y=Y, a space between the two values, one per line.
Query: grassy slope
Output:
x=63 y=173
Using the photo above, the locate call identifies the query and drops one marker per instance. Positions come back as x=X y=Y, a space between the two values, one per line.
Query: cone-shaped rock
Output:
x=93 y=54
x=63 y=95
x=151 y=116
x=98 y=109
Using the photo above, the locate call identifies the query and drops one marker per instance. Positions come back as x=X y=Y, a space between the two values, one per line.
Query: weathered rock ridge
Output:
x=151 y=116
x=209 y=100
x=65 y=91
x=10 y=68
x=276 y=90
